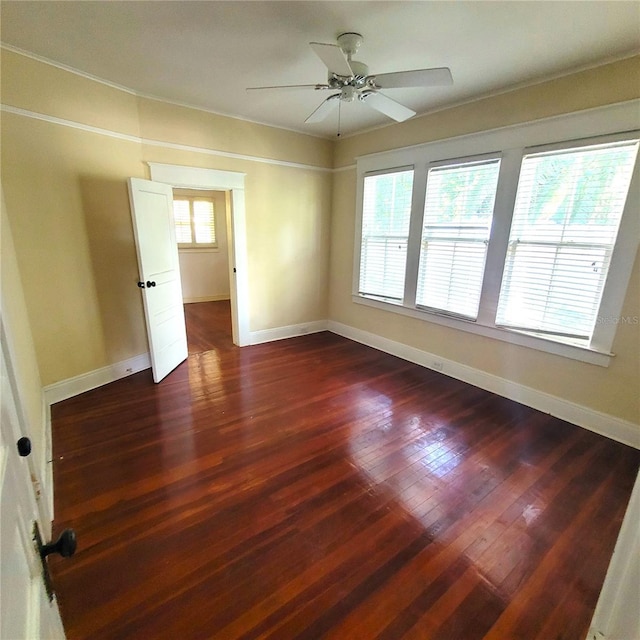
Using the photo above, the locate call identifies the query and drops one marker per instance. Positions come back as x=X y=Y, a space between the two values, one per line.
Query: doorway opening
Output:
x=231 y=184
x=200 y=217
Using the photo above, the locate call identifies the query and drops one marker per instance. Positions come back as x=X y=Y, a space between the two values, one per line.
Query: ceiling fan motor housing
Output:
x=360 y=70
x=358 y=80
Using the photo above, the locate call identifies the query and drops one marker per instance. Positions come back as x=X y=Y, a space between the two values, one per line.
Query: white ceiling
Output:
x=206 y=53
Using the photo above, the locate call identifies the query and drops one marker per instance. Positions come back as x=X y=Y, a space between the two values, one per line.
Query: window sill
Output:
x=521 y=338
x=198 y=249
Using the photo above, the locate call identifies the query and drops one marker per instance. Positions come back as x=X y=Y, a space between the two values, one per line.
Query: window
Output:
x=507 y=233
x=194 y=219
x=564 y=228
x=457 y=221
x=385 y=229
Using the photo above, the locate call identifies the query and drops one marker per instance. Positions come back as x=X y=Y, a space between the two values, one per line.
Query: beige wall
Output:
x=32 y=85
x=607 y=84
x=204 y=274
x=67 y=204
x=614 y=390
x=181 y=125
x=288 y=226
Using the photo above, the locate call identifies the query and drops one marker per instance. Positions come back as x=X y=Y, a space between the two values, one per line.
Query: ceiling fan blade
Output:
x=440 y=76
x=386 y=105
x=324 y=109
x=290 y=87
x=333 y=58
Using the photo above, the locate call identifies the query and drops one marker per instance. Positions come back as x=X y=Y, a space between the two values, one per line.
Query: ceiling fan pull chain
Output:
x=339 y=112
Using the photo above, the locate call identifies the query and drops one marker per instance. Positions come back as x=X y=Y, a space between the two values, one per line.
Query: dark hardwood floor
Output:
x=315 y=487
x=208 y=326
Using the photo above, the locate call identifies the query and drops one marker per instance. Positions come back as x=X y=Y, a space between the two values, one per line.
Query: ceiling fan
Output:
x=352 y=81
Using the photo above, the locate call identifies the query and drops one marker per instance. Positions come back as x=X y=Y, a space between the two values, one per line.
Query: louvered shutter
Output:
x=568 y=209
x=182 y=219
x=204 y=222
x=194 y=220
x=458 y=211
x=386 y=214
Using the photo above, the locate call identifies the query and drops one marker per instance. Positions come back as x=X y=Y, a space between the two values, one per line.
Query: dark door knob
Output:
x=65 y=545
x=24 y=447
x=141 y=285
x=151 y=283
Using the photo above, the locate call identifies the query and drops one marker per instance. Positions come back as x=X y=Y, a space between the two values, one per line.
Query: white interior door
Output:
x=159 y=269
x=25 y=609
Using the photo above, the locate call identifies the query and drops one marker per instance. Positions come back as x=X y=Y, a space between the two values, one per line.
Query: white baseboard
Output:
x=610 y=426
x=64 y=389
x=602 y=423
x=223 y=296
x=290 y=331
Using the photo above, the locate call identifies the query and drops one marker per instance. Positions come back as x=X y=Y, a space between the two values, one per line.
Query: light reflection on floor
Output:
x=419 y=459
x=203 y=368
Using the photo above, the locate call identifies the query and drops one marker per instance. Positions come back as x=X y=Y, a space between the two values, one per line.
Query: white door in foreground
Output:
x=25 y=609
x=159 y=279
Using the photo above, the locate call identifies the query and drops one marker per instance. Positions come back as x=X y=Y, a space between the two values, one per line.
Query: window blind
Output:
x=204 y=222
x=568 y=209
x=458 y=211
x=385 y=230
x=182 y=220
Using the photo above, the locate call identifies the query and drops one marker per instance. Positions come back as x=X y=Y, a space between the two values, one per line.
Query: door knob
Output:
x=65 y=545
x=24 y=447
x=151 y=283
x=141 y=285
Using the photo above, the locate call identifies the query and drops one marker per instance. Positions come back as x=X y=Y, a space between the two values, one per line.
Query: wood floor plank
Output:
x=409 y=583
x=449 y=604
x=317 y=488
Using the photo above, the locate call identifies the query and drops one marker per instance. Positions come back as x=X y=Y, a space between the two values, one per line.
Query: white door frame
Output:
x=183 y=177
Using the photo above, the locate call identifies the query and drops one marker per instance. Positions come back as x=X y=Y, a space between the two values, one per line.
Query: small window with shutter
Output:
x=194 y=218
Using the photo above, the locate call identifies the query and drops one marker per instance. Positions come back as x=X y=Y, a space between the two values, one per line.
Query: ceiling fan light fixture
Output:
x=348 y=93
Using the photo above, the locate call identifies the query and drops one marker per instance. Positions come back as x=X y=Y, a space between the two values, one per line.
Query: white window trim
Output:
x=198 y=248
x=512 y=143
